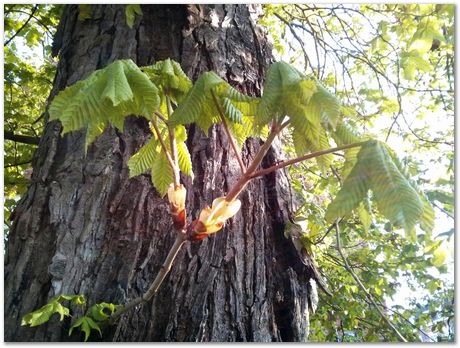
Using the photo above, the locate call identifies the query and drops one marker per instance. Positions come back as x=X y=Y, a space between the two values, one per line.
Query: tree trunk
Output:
x=84 y=227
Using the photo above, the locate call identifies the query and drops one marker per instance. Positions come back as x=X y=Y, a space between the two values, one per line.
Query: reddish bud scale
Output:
x=179 y=218
x=196 y=231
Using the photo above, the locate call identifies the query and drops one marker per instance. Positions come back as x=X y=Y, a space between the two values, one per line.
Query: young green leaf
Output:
x=106 y=96
x=98 y=311
x=397 y=200
x=43 y=314
x=170 y=78
x=354 y=188
x=199 y=105
x=329 y=104
x=345 y=134
x=131 y=11
x=185 y=162
x=144 y=159
x=162 y=174
x=85 y=324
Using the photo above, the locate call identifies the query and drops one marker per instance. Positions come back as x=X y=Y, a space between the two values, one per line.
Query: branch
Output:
x=24 y=139
x=229 y=136
x=23 y=26
x=303 y=158
x=165 y=268
x=363 y=288
x=247 y=176
x=36 y=18
x=18 y=163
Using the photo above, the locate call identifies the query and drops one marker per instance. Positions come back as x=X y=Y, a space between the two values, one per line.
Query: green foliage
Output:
x=106 y=96
x=43 y=314
x=85 y=324
x=199 y=105
x=144 y=158
x=391 y=65
x=102 y=311
x=310 y=106
x=185 y=162
x=395 y=196
x=27 y=82
x=131 y=11
x=95 y=316
x=170 y=78
x=162 y=174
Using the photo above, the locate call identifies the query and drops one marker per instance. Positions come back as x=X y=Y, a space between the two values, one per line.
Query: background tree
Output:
x=392 y=66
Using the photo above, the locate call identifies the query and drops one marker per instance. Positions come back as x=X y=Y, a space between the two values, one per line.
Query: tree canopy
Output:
x=391 y=67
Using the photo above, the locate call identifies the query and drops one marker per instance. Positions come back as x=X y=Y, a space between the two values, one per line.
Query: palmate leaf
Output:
x=242 y=131
x=43 y=314
x=151 y=157
x=169 y=76
x=354 y=189
x=286 y=93
x=85 y=324
x=397 y=200
x=427 y=218
x=102 y=311
x=106 y=96
x=329 y=104
x=375 y=169
x=199 y=104
x=303 y=144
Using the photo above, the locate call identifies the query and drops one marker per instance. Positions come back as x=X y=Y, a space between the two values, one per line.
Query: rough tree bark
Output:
x=85 y=228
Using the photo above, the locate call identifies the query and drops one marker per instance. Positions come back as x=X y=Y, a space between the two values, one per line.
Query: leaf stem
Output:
x=163 y=145
x=173 y=145
x=247 y=176
x=161 y=117
x=165 y=268
x=227 y=131
x=363 y=288
x=303 y=158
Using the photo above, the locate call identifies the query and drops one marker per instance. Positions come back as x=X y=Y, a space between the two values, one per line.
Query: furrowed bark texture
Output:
x=85 y=228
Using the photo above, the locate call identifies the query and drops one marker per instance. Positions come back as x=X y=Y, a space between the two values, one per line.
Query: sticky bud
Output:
x=213 y=219
x=176 y=197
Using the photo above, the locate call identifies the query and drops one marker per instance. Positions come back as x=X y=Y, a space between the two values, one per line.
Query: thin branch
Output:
x=18 y=164
x=50 y=34
x=229 y=136
x=247 y=176
x=299 y=40
x=363 y=288
x=303 y=158
x=165 y=268
x=327 y=232
x=443 y=210
x=24 y=139
x=22 y=27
